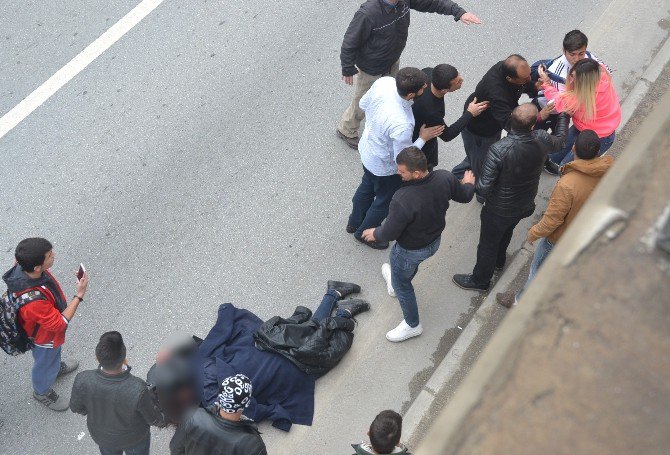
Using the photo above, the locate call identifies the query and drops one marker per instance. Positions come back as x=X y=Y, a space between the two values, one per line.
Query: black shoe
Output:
x=480 y=199
x=552 y=168
x=465 y=282
x=375 y=245
x=499 y=267
x=353 y=306
x=350 y=141
x=351 y=229
x=343 y=288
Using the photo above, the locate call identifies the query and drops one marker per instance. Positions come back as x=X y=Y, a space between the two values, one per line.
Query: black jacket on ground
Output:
x=206 y=433
x=428 y=109
x=378 y=33
x=417 y=210
x=503 y=98
x=511 y=171
x=118 y=408
x=314 y=347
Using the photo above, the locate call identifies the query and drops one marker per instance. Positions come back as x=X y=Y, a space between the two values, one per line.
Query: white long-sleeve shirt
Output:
x=389 y=124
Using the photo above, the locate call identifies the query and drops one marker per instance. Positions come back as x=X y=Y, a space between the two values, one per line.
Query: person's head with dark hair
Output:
x=445 y=78
x=523 y=118
x=587 y=145
x=111 y=351
x=574 y=46
x=516 y=70
x=412 y=164
x=385 y=431
x=410 y=82
x=34 y=254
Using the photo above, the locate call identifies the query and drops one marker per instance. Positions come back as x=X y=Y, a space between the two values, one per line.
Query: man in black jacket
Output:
x=372 y=46
x=508 y=183
x=428 y=108
x=117 y=405
x=501 y=86
x=221 y=429
x=416 y=221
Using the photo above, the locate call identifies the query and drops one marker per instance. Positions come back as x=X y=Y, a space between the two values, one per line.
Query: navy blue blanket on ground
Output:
x=281 y=392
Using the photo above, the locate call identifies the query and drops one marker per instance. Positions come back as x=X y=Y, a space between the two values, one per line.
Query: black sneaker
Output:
x=374 y=245
x=353 y=306
x=351 y=229
x=52 y=401
x=464 y=281
x=552 y=168
x=343 y=288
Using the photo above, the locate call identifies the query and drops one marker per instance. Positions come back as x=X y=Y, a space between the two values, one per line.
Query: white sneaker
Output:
x=386 y=273
x=403 y=332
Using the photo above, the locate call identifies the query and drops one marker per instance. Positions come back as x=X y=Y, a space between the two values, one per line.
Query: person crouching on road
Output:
x=118 y=406
x=509 y=182
x=46 y=317
x=221 y=429
x=416 y=221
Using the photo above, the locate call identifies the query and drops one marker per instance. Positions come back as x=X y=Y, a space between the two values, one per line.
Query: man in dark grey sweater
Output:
x=117 y=405
x=416 y=221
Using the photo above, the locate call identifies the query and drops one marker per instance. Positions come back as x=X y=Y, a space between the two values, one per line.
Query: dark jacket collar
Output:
x=18 y=280
x=113 y=377
x=422 y=181
x=391 y=8
x=239 y=425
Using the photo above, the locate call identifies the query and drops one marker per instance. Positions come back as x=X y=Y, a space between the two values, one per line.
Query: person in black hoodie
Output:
x=372 y=46
x=221 y=429
x=428 y=108
x=501 y=86
x=416 y=221
x=118 y=406
x=508 y=183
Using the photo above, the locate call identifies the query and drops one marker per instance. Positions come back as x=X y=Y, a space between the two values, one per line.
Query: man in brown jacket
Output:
x=578 y=180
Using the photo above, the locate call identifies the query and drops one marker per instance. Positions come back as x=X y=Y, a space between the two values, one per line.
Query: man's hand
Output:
x=369 y=235
x=349 y=80
x=529 y=238
x=82 y=285
x=469 y=19
x=468 y=177
x=476 y=108
x=428 y=132
x=547 y=110
x=543 y=76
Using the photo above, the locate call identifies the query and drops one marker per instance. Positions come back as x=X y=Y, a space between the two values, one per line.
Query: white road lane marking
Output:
x=75 y=66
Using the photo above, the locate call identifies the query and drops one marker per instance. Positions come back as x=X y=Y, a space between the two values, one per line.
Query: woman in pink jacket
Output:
x=591 y=100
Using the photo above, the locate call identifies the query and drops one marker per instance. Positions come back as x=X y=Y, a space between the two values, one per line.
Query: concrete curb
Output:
x=451 y=364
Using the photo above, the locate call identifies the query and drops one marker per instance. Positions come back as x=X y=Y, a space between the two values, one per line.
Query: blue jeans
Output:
x=565 y=155
x=404 y=265
x=371 y=200
x=326 y=307
x=476 y=149
x=45 y=368
x=542 y=250
x=138 y=449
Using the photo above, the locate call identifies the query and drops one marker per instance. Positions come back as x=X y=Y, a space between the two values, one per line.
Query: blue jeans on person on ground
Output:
x=141 y=448
x=326 y=307
x=45 y=368
x=565 y=155
x=476 y=148
x=542 y=250
x=371 y=200
x=404 y=265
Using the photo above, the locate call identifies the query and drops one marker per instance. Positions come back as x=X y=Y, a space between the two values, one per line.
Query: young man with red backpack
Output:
x=44 y=316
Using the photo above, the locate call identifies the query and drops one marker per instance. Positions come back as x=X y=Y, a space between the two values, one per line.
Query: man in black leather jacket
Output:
x=508 y=183
x=221 y=429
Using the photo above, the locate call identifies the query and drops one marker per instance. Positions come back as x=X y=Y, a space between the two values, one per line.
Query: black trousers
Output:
x=494 y=237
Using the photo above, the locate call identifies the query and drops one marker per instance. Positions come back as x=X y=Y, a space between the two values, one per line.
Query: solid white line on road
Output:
x=75 y=66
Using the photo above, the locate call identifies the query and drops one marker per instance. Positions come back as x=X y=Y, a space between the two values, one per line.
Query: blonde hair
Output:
x=580 y=90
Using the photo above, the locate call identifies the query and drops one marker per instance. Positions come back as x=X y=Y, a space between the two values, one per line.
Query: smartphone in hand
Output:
x=81 y=272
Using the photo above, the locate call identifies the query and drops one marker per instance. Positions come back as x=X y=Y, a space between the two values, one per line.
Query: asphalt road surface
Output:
x=195 y=163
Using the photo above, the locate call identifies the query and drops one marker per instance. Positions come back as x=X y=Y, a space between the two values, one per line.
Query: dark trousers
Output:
x=371 y=200
x=476 y=148
x=494 y=237
x=326 y=307
x=141 y=448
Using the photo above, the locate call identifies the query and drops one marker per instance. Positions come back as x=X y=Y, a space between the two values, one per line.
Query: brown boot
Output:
x=350 y=141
